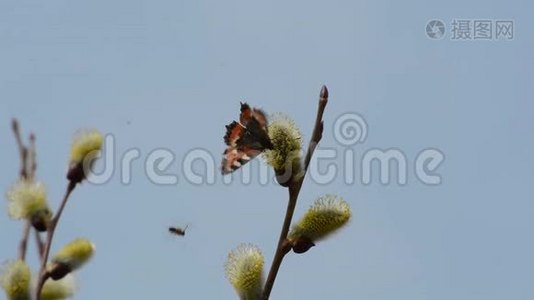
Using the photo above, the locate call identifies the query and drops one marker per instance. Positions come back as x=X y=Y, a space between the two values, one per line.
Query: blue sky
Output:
x=170 y=74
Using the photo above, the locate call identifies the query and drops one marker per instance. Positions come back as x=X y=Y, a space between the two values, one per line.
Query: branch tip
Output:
x=15 y=124
x=324 y=93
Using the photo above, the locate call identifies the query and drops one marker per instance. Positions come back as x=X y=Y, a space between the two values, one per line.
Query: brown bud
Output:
x=76 y=173
x=324 y=92
x=38 y=222
x=59 y=271
x=302 y=244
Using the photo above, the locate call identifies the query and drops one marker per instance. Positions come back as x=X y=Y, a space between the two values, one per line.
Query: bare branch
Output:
x=23 y=153
x=40 y=244
x=294 y=189
x=317 y=133
x=23 y=244
x=22 y=149
x=32 y=157
x=43 y=274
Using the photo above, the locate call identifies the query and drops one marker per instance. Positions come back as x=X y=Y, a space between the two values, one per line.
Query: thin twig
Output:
x=40 y=244
x=23 y=153
x=32 y=157
x=22 y=149
x=23 y=244
x=43 y=274
x=294 y=189
x=317 y=133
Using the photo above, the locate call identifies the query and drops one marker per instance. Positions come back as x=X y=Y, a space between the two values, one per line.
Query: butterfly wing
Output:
x=255 y=121
x=234 y=132
x=235 y=158
x=248 y=114
x=245 y=139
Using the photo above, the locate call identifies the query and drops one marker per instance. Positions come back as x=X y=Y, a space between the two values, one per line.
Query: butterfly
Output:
x=245 y=139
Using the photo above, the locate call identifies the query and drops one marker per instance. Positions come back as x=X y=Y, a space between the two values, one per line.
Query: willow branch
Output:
x=40 y=244
x=32 y=157
x=23 y=244
x=43 y=274
x=23 y=153
x=294 y=189
x=23 y=150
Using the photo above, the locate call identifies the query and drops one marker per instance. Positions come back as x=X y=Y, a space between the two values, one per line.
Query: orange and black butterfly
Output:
x=177 y=230
x=245 y=139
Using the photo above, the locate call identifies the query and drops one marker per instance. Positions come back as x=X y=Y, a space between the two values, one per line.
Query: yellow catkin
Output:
x=244 y=270
x=15 y=278
x=287 y=144
x=59 y=289
x=328 y=214
x=84 y=142
x=75 y=254
x=26 y=199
